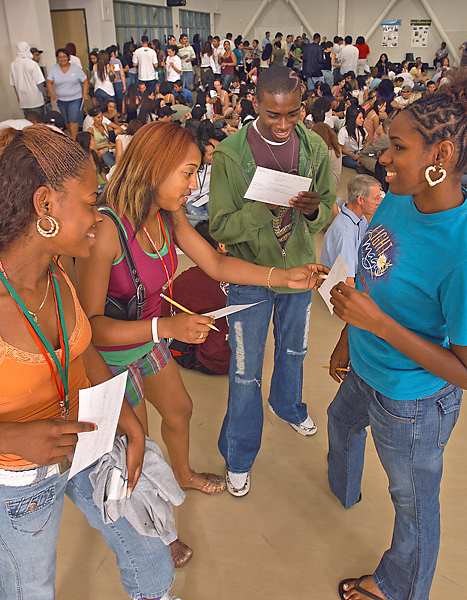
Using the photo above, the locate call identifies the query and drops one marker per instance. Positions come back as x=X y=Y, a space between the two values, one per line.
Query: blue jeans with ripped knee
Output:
x=240 y=437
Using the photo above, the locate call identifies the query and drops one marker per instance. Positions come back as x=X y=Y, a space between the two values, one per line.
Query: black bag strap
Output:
x=139 y=286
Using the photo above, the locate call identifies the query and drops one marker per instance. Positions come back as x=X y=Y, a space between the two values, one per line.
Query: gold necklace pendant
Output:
x=34 y=314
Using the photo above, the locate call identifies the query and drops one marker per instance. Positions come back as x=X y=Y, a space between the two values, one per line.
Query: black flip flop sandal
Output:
x=357 y=587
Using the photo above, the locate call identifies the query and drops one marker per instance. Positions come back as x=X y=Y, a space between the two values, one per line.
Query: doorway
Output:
x=70 y=26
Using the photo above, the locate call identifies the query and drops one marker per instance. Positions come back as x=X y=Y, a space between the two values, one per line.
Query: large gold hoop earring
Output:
x=48 y=233
x=441 y=171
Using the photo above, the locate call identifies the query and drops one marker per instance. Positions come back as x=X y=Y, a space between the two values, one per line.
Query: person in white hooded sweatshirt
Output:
x=25 y=77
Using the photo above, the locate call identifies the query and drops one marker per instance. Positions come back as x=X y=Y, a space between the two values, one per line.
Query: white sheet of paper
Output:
x=230 y=310
x=339 y=272
x=100 y=404
x=203 y=200
x=275 y=187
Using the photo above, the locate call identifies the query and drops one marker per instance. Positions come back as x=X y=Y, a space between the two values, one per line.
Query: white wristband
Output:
x=155 y=337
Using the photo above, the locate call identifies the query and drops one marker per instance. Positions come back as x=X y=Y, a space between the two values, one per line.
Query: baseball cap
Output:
x=406 y=88
x=34 y=49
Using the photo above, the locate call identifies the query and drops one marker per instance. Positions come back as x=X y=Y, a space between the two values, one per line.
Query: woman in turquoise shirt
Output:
x=406 y=340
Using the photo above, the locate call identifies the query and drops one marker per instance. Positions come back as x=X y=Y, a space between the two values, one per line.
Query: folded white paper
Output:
x=339 y=272
x=275 y=187
x=204 y=199
x=100 y=404
x=230 y=310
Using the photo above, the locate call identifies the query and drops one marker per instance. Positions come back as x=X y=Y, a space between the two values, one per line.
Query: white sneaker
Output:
x=238 y=484
x=306 y=427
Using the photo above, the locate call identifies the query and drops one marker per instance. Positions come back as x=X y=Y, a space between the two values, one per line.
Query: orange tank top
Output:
x=27 y=390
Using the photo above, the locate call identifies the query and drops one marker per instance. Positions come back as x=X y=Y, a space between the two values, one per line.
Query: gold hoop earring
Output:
x=441 y=171
x=48 y=233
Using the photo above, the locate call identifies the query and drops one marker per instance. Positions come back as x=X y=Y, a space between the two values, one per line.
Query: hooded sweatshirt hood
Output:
x=23 y=50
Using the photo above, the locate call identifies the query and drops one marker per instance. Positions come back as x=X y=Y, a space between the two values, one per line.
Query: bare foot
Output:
x=207 y=483
x=360 y=589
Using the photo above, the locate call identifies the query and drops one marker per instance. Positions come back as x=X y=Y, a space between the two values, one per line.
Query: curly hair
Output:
x=443 y=116
x=34 y=157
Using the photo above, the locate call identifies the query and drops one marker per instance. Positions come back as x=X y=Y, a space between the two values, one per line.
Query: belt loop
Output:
x=41 y=474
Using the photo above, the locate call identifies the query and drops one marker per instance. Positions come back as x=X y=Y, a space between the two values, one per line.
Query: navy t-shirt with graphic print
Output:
x=414 y=266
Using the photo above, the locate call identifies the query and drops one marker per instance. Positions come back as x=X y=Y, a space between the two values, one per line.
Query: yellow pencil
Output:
x=337 y=368
x=185 y=310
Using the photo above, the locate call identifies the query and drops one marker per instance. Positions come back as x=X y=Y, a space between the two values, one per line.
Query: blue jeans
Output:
x=227 y=80
x=119 y=94
x=410 y=437
x=109 y=159
x=71 y=110
x=240 y=437
x=349 y=162
x=29 y=524
x=196 y=214
x=328 y=78
x=312 y=81
x=188 y=80
x=103 y=97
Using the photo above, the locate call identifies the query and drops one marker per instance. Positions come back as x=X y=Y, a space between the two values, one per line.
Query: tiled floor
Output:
x=289 y=538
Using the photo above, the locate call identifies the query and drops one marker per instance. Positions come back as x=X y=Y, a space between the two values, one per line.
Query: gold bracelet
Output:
x=269 y=277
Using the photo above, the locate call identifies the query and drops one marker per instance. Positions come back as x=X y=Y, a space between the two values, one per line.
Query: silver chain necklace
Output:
x=268 y=144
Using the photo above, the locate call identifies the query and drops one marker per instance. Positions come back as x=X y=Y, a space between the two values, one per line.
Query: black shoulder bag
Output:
x=117 y=308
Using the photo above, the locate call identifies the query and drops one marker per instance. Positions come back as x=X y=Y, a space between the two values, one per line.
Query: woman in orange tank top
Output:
x=48 y=191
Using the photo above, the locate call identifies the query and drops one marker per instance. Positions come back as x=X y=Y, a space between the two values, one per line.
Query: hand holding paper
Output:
x=275 y=187
x=306 y=202
x=100 y=404
x=338 y=273
x=306 y=277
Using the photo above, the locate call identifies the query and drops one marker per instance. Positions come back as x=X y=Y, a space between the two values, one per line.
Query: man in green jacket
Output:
x=268 y=235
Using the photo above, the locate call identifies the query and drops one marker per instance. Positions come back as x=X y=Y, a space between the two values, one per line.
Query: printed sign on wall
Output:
x=390 y=33
x=420 y=30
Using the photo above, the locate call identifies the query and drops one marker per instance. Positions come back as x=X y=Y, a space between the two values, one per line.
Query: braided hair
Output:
x=29 y=159
x=443 y=116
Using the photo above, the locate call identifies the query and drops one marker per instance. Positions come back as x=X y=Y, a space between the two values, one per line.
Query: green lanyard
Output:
x=41 y=340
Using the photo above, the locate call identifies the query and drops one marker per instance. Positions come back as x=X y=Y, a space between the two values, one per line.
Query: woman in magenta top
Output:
x=147 y=191
x=228 y=62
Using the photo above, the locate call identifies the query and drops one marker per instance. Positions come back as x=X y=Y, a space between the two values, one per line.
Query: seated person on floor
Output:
x=197 y=205
x=196 y=291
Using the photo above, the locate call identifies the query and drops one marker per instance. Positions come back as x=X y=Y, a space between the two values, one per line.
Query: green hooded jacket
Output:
x=245 y=226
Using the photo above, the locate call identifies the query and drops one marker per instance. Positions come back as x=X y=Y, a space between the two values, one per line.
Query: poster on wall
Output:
x=420 y=30
x=390 y=33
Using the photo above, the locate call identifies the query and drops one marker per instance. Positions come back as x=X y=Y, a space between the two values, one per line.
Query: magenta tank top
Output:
x=150 y=271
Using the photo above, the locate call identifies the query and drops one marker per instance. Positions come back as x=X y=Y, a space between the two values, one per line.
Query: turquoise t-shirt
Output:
x=414 y=266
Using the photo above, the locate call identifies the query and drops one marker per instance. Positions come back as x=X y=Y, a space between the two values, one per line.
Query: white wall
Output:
x=22 y=20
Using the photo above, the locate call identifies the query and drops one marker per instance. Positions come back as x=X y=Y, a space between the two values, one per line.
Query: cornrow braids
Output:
x=31 y=158
x=443 y=115
x=58 y=156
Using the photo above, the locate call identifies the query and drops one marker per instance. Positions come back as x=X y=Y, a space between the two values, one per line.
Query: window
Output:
x=192 y=22
x=134 y=20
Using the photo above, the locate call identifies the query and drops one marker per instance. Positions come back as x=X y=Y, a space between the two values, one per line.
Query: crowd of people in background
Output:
x=214 y=80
